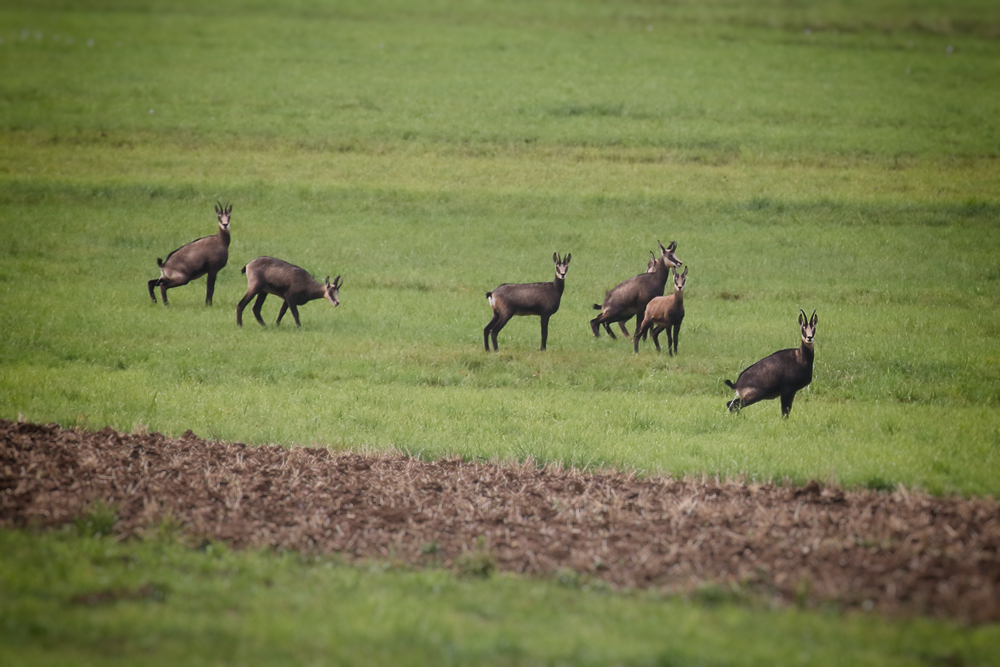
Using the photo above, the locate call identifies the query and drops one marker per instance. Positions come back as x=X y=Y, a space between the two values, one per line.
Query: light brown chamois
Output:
x=267 y=275
x=629 y=298
x=778 y=375
x=206 y=256
x=540 y=299
x=665 y=312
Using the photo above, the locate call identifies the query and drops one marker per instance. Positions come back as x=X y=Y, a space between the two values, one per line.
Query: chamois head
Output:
x=223 y=213
x=680 y=279
x=667 y=254
x=332 y=292
x=562 y=265
x=651 y=267
x=808 y=327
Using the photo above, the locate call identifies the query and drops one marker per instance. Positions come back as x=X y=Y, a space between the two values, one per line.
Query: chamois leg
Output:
x=241 y=305
x=486 y=331
x=256 y=307
x=621 y=325
x=163 y=292
x=210 y=289
x=677 y=336
x=152 y=286
x=496 y=329
x=607 y=327
x=281 y=313
x=638 y=335
x=786 y=403
x=295 y=314
x=735 y=405
x=656 y=337
x=545 y=330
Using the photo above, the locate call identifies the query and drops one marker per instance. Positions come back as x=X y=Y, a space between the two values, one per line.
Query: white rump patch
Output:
x=491 y=301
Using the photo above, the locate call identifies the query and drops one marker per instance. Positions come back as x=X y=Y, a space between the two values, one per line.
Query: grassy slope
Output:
x=430 y=152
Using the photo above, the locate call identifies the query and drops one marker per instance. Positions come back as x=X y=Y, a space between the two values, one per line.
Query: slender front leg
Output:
x=545 y=329
x=295 y=314
x=281 y=313
x=211 y=289
x=786 y=403
x=152 y=286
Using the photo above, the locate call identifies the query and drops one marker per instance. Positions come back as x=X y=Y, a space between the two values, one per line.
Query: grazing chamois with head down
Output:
x=267 y=275
x=629 y=298
x=207 y=255
x=540 y=299
x=665 y=312
x=781 y=374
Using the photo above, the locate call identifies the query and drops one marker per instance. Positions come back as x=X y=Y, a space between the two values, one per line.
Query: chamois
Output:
x=267 y=275
x=781 y=374
x=207 y=255
x=665 y=312
x=630 y=297
x=540 y=299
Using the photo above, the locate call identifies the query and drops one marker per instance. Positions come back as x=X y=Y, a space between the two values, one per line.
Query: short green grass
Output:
x=838 y=157
x=72 y=598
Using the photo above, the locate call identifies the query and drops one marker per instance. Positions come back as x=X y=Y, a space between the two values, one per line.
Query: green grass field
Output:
x=840 y=157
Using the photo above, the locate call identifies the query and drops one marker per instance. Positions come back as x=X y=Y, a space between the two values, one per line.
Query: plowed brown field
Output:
x=900 y=552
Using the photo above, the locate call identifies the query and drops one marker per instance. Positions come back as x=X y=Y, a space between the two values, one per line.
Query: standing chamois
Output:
x=540 y=299
x=665 y=312
x=267 y=275
x=630 y=297
x=781 y=374
x=207 y=255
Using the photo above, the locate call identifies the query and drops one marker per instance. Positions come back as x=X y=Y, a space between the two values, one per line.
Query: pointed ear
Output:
x=337 y=283
x=218 y=207
x=672 y=246
x=229 y=208
x=328 y=281
x=568 y=255
x=662 y=249
x=555 y=258
x=685 y=271
x=802 y=317
x=814 y=319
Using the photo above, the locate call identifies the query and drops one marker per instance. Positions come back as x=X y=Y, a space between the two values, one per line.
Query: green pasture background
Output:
x=841 y=159
x=838 y=156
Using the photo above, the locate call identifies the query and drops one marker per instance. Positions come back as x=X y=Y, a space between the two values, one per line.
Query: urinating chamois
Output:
x=781 y=374
x=267 y=275
x=665 y=312
x=207 y=255
x=629 y=298
x=540 y=299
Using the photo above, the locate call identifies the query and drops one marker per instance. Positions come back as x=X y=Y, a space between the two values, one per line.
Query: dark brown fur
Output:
x=511 y=299
x=629 y=298
x=781 y=374
x=206 y=256
x=267 y=275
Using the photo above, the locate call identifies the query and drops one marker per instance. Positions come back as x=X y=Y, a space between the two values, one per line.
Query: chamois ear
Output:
x=337 y=283
x=802 y=318
x=662 y=249
x=672 y=246
x=229 y=208
x=218 y=207
x=568 y=255
x=685 y=271
x=328 y=281
x=555 y=258
x=814 y=319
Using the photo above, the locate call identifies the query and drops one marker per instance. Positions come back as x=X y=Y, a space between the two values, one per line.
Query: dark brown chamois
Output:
x=781 y=374
x=665 y=312
x=267 y=275
x=629 y=298
x=207 y=255
x=540 y=299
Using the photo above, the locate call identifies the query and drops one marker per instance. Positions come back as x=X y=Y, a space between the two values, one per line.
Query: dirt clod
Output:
x=901 y=552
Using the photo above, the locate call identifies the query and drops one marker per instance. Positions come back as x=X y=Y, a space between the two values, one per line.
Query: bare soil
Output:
x=901 y=552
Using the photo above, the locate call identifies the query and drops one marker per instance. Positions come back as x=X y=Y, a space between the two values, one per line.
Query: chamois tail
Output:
x=730 y=384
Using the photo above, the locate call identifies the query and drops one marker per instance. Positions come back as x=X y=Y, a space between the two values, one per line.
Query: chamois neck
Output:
x=807 y=351
x=224 y=235
x=560 y=284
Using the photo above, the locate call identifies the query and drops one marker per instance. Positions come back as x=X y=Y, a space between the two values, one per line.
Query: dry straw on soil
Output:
x=900 y=552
